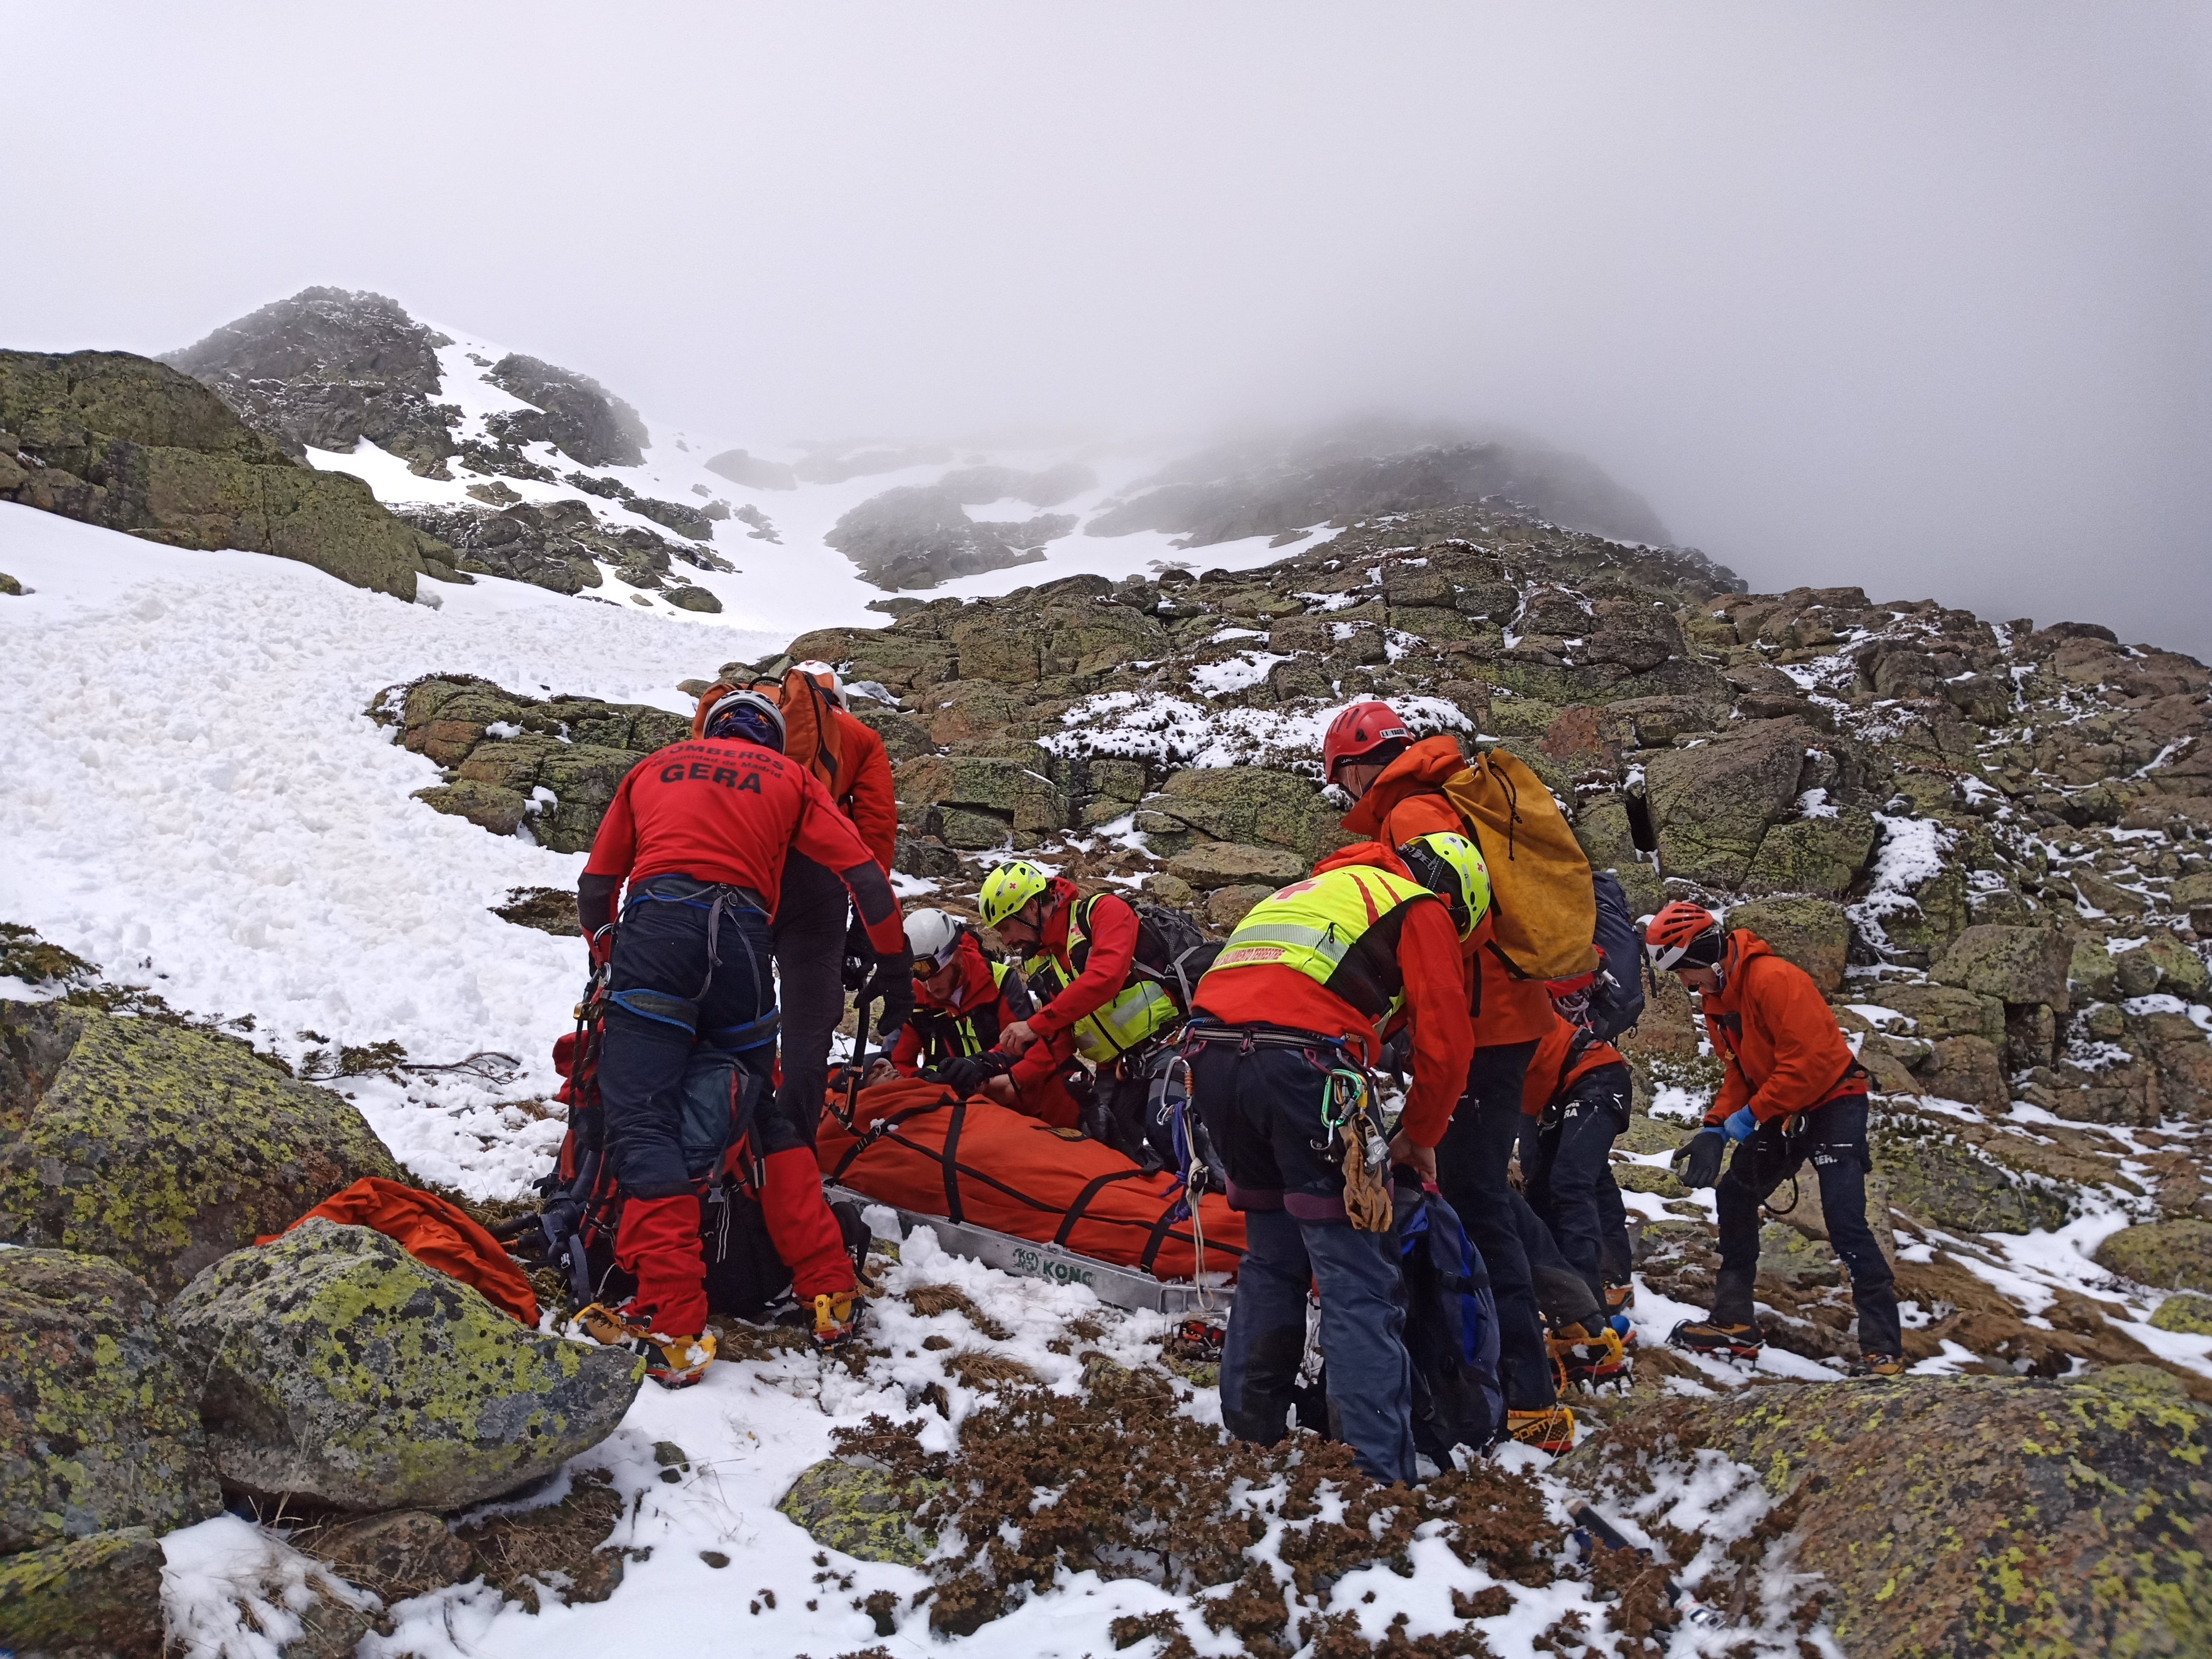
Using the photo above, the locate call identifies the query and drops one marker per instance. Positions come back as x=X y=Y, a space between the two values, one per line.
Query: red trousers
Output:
x=658 y=1242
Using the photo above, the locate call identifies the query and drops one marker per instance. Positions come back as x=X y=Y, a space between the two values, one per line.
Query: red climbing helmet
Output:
x=1683 y=935
x=1358 y=733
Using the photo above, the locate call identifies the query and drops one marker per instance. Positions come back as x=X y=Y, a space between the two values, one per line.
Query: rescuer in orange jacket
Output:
x=1295 y=1007
x=701 y=831
x=1791 y=1092
x=1573 y=1105
x=1397 y=788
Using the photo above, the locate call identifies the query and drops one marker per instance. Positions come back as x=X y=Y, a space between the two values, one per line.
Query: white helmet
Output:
x=932 y=936
x=827 y=677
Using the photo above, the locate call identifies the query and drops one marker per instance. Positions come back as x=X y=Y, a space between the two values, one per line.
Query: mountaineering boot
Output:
x=1550 y=1430
x=1877 y=1364
x=674 y=1362
x=1731 y=1330
x=1590 y=1358
x=1619 y=1298
x=836 y=1316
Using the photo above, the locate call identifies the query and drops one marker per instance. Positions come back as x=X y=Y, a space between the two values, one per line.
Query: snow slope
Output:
x=803 y=583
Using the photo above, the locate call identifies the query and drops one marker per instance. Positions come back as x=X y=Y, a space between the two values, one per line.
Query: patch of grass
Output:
x=930 y=1300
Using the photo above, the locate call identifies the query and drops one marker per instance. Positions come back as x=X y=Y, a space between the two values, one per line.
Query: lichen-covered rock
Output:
x=1821 y=855
x=1711 y=804
x=99 y=1428
x=338 y=1367
x=1016 y=789
x=1252 y=805
x=2170 y=1255
x=133 y=445
x=1212 y=864
x=693 y=599
x=100 y=1595
x=1226 y=906
x=1940 y=1176
x=1814 y=933
x=161 y=1148
x=1974 y=1517
x=2187 y=1311
x=486 y=806
x=856 y=1510
x=2013 y=964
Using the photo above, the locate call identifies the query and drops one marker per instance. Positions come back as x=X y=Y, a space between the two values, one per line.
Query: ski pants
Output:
x=1472 y=1162
x=1832 y=1137
x=1566 y=1175
x=1262 y=1111
x=808 y=939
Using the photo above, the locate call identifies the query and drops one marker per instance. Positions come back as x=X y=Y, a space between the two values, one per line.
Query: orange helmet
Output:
x=1683 y=935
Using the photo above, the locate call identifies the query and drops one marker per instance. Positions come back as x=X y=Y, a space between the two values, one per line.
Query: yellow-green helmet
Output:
x=1451 y=866
x=1008 y=888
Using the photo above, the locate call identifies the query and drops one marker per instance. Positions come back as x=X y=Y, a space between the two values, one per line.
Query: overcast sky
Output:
x=1917 y=298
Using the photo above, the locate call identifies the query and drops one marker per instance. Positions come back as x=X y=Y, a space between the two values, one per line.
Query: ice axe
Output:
x=1591 y=1527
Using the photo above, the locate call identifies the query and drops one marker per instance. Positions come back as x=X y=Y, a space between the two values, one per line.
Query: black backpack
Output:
x=1451 y=1328
x=1171 y=950
x=1616 y=1000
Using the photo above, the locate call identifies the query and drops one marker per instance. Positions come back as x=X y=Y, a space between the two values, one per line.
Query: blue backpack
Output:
x=1616 y=1000
x=1451 y=1328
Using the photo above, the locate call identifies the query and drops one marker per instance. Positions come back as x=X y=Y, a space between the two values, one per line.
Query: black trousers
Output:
x=808 y=939
x=1566 y=1174
x=1832 y=1137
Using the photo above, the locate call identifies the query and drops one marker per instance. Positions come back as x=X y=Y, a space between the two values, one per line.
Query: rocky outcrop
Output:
x=1270 y=487
x=556 y=544
x=573 y=412
x=337 y=1366
x=327 y=368
x=859 y=1513
x=100 y=1595
x=132 y=445
x=918 y=537
x=510 y=760
x=752 y=471
x=1969 y=1516
x=160 y=1147
x=99 y=1426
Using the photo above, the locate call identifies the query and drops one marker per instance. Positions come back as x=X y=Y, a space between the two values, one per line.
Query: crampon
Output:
x=1877 y=1364
x=836 y=1316
x=1585 y=1359
x=674 y=1362
x=1741 y=1342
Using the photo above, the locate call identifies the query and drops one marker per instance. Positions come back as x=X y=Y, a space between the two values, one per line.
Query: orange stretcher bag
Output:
x=917 y=1146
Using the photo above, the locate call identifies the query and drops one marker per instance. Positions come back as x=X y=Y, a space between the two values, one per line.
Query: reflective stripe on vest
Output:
x=1143 y=1008
x=957 y=1032
x=1312 y=927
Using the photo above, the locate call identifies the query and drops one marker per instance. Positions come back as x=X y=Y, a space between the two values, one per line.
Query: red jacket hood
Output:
x=1372 y=854
x=1424 y=766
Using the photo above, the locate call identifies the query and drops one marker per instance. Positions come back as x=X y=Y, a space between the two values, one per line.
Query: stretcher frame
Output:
x=1025 y=1258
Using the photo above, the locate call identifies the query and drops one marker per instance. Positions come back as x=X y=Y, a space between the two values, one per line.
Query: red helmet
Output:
x=1358 y=732
x=1683 y=935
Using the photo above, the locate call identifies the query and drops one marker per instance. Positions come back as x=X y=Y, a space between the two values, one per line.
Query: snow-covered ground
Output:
x=803 y=583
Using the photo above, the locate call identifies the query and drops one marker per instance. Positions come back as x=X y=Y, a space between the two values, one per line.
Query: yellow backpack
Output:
x=1543 y=908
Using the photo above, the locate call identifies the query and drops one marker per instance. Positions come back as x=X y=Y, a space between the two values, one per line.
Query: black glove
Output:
x=859 y=956
x=972 y=1072
x=1699 y=1163
x=892 y=981
x=1397 y=1053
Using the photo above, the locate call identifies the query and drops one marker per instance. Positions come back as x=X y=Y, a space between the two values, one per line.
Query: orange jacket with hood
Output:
x=865 y=791
x=1407 y=800
x=1769 y=1022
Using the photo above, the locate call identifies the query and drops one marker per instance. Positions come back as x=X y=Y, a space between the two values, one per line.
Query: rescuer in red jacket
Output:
x=1792 y=1091
x=1574 y=1104
x=821 y=952
x=1397 y=788
x=1294 y=1006
x=701 y=831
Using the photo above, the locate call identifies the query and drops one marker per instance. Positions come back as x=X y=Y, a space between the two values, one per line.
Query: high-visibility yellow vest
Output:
x=1317 y=926
x=946 y=1035
x=1142 y=1009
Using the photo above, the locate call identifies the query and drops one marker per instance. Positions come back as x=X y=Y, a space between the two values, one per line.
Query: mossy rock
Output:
x=1932 y=1173
x=487 y=805
x=99 y=1428
x=1974 y=1517
x=100 y=1595
x=1649 y=1178
x=1212 y=864
x=2185 y=1311
x=1252 y=805
x=1712 y=803
x=857 y=1511
x=1815 y=855
x=160 y=1147
x=1812 y=934
x=2168 y=1255
x=2012 y=964
x=339 y=1368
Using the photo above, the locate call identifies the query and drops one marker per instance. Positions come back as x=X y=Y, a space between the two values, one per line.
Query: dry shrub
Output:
x=514 y=1550
x=987 y=1371
x=930 y=1300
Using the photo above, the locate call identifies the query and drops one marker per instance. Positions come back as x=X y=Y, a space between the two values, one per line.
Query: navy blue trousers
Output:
x=1566 y=1174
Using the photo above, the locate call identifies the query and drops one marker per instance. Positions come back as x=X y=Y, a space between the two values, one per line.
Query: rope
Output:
x=1346 y=1094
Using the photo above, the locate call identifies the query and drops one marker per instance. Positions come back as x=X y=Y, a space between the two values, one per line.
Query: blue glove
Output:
x=1739 y=1124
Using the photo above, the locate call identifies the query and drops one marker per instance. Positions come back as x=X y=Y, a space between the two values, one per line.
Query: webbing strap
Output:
x=1083 y=1200
x=952 y=1205
x=1158 y=1236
